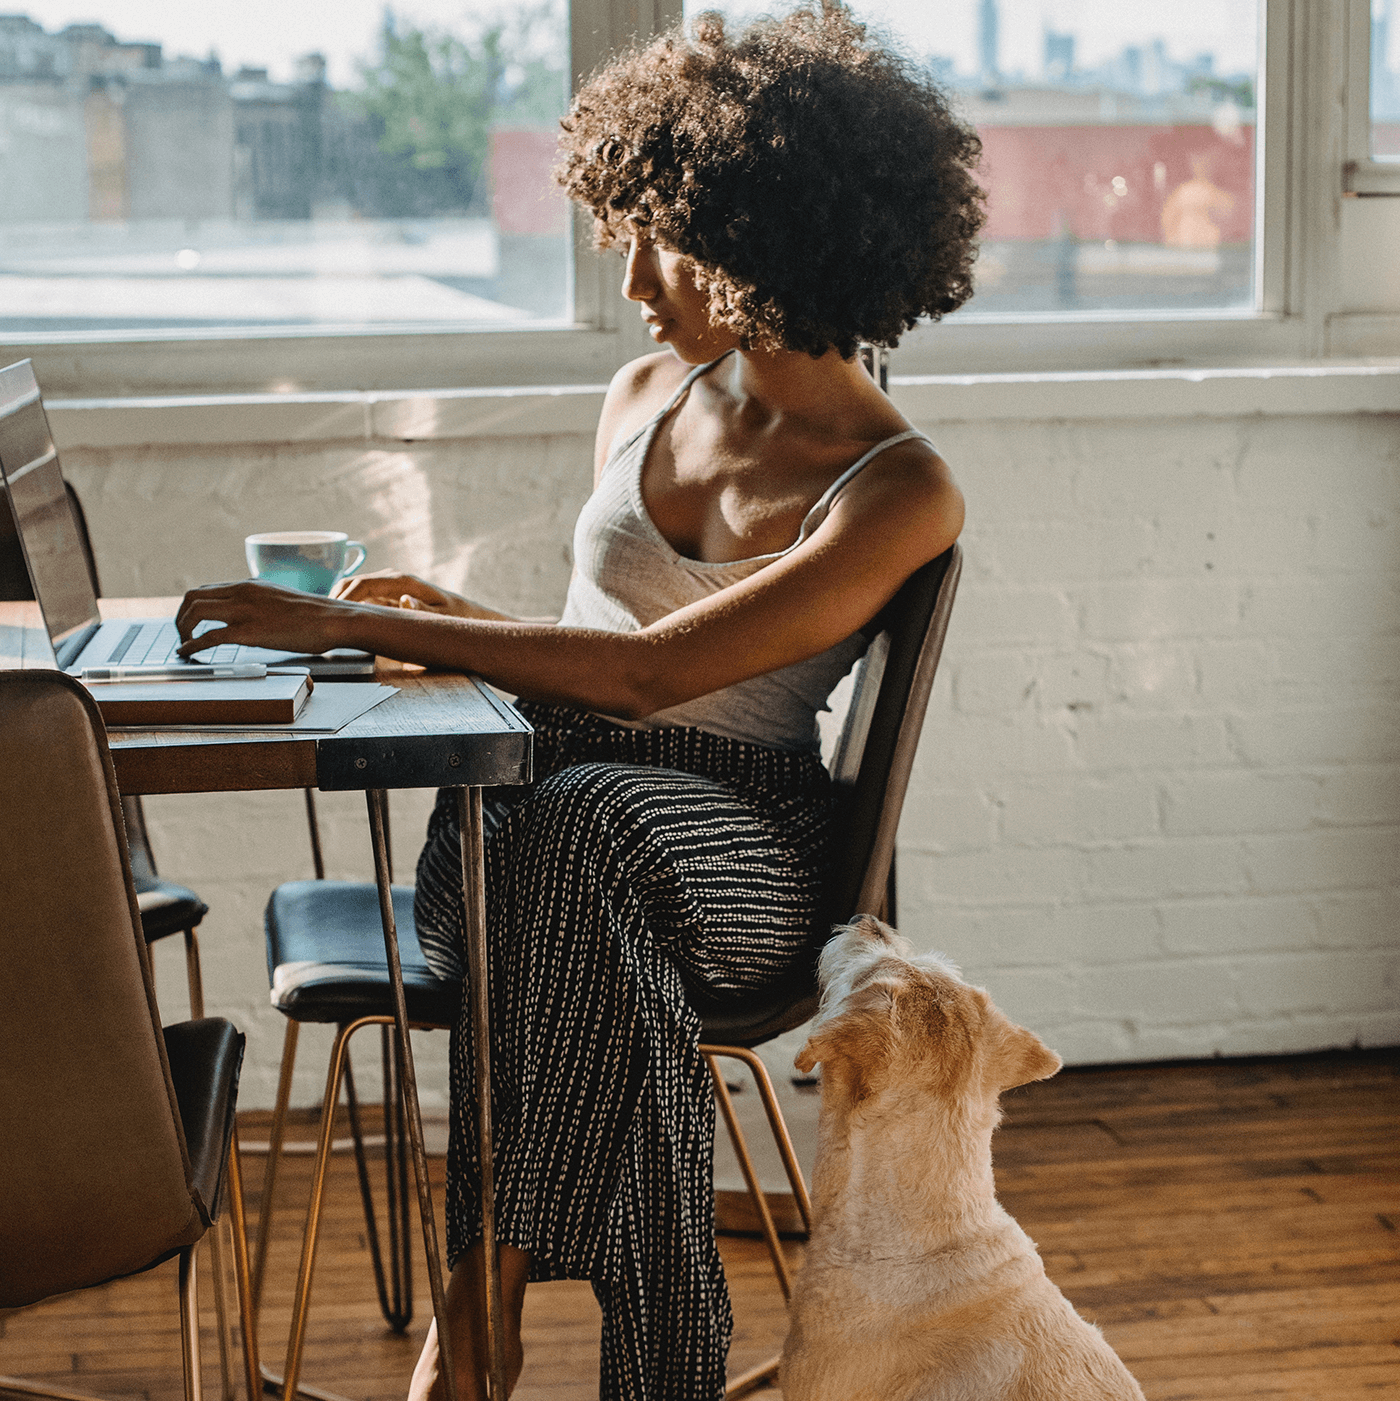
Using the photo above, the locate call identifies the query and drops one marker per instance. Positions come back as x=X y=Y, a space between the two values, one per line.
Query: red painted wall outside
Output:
x=1042 y=179
x=524 y=200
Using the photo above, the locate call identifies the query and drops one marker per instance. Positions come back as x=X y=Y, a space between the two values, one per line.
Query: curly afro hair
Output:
x=818 y=181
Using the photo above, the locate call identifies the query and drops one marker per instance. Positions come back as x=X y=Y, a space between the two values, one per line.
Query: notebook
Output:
x=270 y=700
x=54 y=558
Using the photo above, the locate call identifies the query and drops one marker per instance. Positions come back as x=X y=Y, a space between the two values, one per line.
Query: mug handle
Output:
x=351 y=568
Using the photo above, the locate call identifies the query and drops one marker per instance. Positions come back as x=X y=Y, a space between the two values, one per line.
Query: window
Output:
x=371 y=172
x=1119 y=146
x=1103 y=264
x=1385 y=80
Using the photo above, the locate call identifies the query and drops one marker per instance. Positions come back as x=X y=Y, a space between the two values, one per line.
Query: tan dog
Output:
x=918 y=1286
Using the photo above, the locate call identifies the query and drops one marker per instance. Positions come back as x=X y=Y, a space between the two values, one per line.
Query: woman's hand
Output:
x=391 y=589
x=260 y=614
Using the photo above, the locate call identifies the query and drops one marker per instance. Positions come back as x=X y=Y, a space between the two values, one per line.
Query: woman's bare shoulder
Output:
x=638 y=390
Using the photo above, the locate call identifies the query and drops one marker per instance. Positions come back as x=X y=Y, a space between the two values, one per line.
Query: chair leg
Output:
x=762 y=1375
x=193 y=974
x=238 y=1227
x=760 y=1202
x=189 y=1324
x=219 y=1267
x=274 y=1154
x=302 y=1302
x=766 y=1372
x=390 y=1292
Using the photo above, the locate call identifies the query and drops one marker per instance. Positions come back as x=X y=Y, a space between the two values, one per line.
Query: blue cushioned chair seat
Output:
x=167 y=908
x=325 y=956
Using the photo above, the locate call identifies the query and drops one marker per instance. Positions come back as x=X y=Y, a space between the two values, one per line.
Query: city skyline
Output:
x=272 y=34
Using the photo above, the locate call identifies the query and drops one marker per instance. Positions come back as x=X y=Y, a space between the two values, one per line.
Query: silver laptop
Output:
x=57 y=563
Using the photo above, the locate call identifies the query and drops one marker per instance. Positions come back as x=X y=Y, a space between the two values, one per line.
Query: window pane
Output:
x=1385 y=81
x=253 y=163
x=1119 y=151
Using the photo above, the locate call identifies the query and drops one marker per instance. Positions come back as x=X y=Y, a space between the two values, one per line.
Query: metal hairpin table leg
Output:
x=377 y=801
x=474 y=895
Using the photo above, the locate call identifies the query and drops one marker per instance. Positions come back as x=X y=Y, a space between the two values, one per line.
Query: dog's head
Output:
x=890 y=1016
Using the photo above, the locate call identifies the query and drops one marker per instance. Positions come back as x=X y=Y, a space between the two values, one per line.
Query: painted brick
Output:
x=992 y=614
x=1322 y=670
x=1083 y=811
x=1240 y=544
x=1281 y=1035
x=1003 y=875
x=1102 y=934
x=947 y=819
x=1148 y=608
x=1126 y=740
x=1215 y=927
x=1326 y=605
x=1217 y=804
x=1030 y=552
x=1075 y=681
x=1358 y=920
x=1163 y=993
x=1154 y=675
x=1360 y=794
x=1327 y=859
x=1341 y=734
x=1166 y=868
x=1318 y=982
x=1236 y=673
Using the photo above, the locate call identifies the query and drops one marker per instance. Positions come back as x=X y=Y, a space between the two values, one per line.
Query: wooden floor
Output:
x=1234 y=1227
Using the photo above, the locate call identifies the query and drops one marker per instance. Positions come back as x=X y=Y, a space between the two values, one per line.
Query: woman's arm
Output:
x=882 y=527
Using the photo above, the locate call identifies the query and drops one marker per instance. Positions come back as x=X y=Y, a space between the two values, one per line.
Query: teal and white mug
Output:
x=309 y=560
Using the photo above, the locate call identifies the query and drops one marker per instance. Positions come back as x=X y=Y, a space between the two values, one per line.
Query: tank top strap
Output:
x=819 y=512
x=649 y=426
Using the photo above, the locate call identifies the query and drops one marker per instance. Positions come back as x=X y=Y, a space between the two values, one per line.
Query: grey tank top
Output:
x=626 y=577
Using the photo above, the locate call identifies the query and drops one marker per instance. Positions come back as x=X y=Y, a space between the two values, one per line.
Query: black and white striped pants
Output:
x=639 y=864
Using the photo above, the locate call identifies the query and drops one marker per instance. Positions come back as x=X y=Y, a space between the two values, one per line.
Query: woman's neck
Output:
x=769 y=386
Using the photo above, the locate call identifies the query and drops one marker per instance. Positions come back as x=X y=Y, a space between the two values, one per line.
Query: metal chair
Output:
x=871 y=772
x=117 y=1140
x=325 y=950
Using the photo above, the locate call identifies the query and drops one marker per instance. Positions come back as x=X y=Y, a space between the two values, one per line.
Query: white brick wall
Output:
x=1156 y=806
x=1157 y=803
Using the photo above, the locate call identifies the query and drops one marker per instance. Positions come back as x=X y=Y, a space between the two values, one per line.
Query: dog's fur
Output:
x=918 y=1286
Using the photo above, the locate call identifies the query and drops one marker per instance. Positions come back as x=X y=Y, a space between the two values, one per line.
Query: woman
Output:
x=778 y=197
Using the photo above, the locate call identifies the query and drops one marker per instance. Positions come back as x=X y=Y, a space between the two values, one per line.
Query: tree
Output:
x=433 y=96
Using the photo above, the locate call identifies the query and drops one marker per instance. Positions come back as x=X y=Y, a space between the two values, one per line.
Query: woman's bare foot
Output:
x=466 y=1320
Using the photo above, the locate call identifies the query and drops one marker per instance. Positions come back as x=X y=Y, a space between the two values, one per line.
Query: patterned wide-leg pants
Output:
x=640 y=865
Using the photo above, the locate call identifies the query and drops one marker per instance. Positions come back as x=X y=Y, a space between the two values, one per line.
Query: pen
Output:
x=196 y=671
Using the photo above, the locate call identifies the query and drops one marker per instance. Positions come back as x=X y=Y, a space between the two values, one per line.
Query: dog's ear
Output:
x=1019 y=1057
x=859 y=1033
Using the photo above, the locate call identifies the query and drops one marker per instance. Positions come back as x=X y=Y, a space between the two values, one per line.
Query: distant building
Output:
x=988 y=41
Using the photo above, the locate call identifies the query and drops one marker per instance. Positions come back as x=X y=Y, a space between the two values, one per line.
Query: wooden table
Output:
x=442 y=730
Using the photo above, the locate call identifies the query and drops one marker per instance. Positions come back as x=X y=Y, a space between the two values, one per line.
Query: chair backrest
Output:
x=875 y=753
x=95 y=1178
x=871 y=770
x=14 y=573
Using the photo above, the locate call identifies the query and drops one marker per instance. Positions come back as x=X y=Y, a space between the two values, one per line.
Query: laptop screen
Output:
x=43 y=520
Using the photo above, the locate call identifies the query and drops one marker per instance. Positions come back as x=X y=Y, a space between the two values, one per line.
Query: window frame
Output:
x=1363 y=173
x=1305 y=56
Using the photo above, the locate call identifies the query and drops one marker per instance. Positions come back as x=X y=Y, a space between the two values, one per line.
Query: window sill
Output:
x=433 y=415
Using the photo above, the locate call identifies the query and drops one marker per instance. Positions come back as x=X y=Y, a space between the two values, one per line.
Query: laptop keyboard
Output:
x=155 y=644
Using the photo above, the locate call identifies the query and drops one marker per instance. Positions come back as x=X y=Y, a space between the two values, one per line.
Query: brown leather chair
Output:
x=166 y=908
x=117 y=1140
